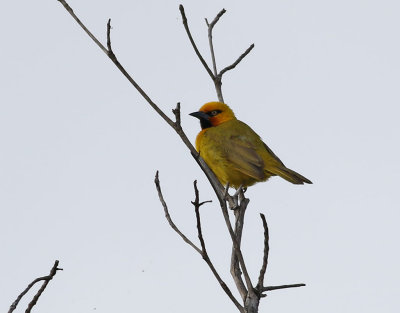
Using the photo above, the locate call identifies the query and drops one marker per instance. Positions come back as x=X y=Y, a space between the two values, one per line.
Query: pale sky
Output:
x=80 y=148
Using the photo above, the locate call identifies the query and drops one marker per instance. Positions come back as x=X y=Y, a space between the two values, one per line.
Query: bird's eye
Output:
x=213 y=113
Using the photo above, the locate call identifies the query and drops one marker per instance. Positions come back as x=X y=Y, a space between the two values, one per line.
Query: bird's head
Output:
x=213 y=114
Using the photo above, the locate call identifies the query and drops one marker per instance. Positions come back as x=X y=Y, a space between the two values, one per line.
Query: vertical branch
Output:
x=266 y=253
x=217 y=79
x=235 y=268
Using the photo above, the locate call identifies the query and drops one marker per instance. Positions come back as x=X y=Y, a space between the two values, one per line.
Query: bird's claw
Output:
x=236 y=198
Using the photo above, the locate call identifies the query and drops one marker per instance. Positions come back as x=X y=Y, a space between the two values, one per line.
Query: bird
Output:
x=235 y=152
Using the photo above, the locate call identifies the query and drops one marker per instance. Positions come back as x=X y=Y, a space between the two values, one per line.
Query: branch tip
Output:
x=216 y=19
x=177 y=113
x=239 y=59
x=269 y=288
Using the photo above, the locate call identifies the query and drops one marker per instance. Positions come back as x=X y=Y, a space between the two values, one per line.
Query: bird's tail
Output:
x=291 y=176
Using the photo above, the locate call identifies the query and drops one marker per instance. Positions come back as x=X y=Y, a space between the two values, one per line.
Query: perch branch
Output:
x=35 y=299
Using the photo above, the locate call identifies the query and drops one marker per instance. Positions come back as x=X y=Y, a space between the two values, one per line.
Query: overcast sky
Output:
x=80 y=148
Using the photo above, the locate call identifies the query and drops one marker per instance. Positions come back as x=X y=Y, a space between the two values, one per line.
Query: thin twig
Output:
x=113 y=58
x=233 y=65
x=185 y=24
x=281 y=287
x=46 y=280
x=168 y=217
x=70 y=11
x=197 y=206
x=266 y=252
x=210 y=29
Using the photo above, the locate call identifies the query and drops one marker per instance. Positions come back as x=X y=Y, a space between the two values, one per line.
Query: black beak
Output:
x=200 y=115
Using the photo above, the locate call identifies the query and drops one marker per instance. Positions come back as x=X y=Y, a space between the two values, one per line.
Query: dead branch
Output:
x=206 y=258
x=216 y=77
x=35 y=299
x=266 y=252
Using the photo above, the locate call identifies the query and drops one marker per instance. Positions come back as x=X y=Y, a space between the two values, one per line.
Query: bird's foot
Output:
x=235 y=200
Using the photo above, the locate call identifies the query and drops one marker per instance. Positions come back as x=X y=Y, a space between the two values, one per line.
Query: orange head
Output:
x=213 y=114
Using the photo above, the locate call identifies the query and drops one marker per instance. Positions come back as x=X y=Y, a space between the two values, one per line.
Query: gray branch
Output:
x=35 y=299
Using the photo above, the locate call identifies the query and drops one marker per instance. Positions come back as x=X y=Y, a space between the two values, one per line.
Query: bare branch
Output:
x=202 y=251
x=168 y=217
x=46 y=280
x=87 y=31
x=281 y=287
x=113 y=58
x=233 y=65
x=197 y=204
x=266 y=252
x=185 y=24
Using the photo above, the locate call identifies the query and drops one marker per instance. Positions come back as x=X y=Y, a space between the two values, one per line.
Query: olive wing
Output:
x=243 y=156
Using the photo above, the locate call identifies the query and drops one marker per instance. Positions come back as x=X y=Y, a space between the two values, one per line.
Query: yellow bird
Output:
x=234 y=152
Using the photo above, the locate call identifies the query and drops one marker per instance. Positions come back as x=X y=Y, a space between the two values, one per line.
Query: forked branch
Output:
x=215 y=76
x=203 y=251
x=45 y=279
